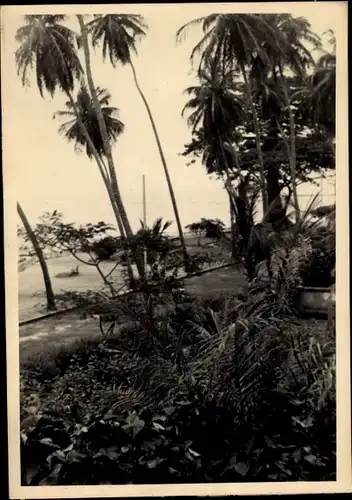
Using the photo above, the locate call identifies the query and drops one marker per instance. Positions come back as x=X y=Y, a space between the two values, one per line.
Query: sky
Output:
x=44 y=171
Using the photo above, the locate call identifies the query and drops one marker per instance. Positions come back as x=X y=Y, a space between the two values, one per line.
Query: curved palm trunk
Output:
x=103 y=172
x=107 y=148
x=123 y=238
x=50 y=297
x=292 y=149
x=257 y=140
x=167 y=175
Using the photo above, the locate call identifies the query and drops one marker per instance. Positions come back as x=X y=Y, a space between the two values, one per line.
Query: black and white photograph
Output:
x=176 y=197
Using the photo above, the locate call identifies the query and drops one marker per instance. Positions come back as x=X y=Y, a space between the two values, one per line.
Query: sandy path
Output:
x=70 y=327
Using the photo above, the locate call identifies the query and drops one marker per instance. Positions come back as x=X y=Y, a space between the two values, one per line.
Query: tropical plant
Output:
x=216 y=107
x=60 y=237
x=118 y=34
x=83 y=41
x=319 y=97
x=106 y=247
x=72 y=131
x=31 y=236
x=51 y=47
x=162 y=254
x=293 y=34
x=235 y=39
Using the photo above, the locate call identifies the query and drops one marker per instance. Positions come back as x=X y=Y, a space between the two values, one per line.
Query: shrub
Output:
x=316 y=270
x=226 y=391
x=106 y=247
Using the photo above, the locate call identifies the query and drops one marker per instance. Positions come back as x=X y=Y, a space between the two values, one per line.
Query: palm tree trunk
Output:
x=105 y=137
x=102 y=169
x=123 y=238
x=50 y=297
x=167 y=175
x=257 y=140
x=292 y=154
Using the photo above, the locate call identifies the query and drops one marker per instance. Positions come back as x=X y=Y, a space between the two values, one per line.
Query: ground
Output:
x=31 y=295
x=71 y=326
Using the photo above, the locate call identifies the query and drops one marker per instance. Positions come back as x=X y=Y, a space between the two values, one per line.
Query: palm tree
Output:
x=216 y=110
x=319 y=96
x=83 y=41
x=73 y=132
x=84 y=104
x=50 y=47
x=236 y=38
x=50 y=297
x=118 y=34
x=293 y=33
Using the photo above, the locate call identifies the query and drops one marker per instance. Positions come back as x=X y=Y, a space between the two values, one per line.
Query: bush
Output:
x=106 y=247
x=316 y=270
x=214 y=392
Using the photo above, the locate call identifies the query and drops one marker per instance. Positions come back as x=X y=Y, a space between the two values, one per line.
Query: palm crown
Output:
x=118 y=34
x=216 y=103
x=233 y=38
x=85 y=106
x=49 y=48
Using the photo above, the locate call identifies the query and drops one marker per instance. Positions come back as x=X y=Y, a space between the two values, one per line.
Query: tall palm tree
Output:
x=216 y=107
x=293 y=35
x=118 y=34
x=235 y=38
x=84 y=104
x=73 y=132
x=83 y=41
x=49 y=47
x=50 y=297
x=319 y=95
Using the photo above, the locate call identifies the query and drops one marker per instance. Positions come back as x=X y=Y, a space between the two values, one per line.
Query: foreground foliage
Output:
x=219 y=391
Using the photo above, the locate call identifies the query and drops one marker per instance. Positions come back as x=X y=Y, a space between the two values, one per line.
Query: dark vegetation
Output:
x=179 y=389
x=188 y=390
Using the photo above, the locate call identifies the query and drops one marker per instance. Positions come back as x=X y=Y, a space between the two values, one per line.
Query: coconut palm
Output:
x=118 y=34
x=83 y=42
x=268 y=96
x=216 y=109
x=319 y=98
x=236 y=38
x=51 y=48
x=72 y=131
x=293 y=35
x=50 y=297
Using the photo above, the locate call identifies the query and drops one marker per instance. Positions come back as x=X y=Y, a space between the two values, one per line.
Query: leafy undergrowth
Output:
x=223 y=394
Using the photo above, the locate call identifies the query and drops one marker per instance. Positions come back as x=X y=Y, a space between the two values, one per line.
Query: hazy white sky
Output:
x=50 y=175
